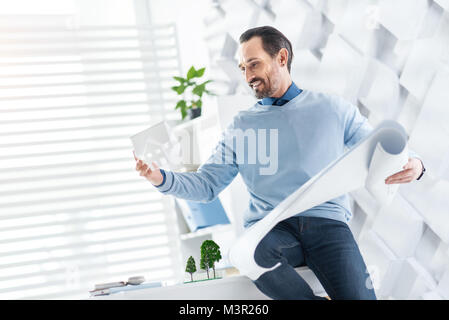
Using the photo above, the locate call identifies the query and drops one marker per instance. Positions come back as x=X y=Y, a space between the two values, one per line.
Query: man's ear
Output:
x=283 y=57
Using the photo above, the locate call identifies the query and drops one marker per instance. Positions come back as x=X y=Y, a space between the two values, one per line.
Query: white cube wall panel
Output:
x=437 y=213
x=432 y=253
x=414 y=280
x=381 y=89
x=420 y=67
x=381 y=263
x=443 y=285
x=409 y=113
x=430 y=137
x=443 y=3
x=342 y=68
x=315 y=31
x=304 y=70
x=336 y=9
x=391 y=59
x=431 y=21
x=400 y=227
x=366 y=201
x=403 y=17
x=289 y=11
x=358 y=25
x=431 y=295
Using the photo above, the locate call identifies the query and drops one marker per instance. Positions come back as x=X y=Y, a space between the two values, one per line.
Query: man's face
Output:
x=261 y=71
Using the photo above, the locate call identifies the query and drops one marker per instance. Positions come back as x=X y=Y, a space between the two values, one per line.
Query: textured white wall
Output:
x=391 y=59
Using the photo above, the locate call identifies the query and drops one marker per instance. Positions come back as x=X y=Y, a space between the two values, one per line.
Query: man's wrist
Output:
x=423 y=170
x=163 y=178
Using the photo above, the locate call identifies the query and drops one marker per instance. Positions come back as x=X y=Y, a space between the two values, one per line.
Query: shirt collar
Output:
x=291 y=93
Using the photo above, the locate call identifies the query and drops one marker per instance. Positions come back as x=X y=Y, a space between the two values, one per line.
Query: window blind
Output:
x=73 y=210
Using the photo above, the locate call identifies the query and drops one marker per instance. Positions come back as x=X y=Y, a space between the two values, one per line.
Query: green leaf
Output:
x=181 y=89
x=200 y=72
x=175 y=88
x=180 y=79
x=183 y=113
x=199 y=103
x=199 y=90
x=181 y=104
x=191 y=73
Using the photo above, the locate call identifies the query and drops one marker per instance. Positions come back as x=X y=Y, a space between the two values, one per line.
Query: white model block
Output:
x=413 y=281
x=432 y=253
x=381 y=263
x=381 y=89
x=420 y=67
x=342 y=68
x=399 y=215
x=403 y=18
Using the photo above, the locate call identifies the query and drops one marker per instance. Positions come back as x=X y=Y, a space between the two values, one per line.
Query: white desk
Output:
x=230 y=288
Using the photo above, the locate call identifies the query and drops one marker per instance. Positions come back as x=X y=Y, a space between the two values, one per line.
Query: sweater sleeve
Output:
x=210 y=179
x=357 y=127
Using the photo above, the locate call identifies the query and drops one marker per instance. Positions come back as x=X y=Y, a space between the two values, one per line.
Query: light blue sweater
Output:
x=313 y=130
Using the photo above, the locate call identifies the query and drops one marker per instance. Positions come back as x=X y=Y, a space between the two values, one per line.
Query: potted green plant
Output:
x=190 y=85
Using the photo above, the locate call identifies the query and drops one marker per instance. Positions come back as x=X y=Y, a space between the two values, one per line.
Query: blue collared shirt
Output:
x=291 y=93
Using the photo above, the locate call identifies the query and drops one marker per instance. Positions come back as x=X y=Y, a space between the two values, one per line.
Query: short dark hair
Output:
x=272 y=41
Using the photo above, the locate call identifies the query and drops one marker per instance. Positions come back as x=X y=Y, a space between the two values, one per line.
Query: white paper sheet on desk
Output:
x=382 y=153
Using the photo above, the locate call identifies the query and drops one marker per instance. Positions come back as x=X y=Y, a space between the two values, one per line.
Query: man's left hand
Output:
x=412 y=170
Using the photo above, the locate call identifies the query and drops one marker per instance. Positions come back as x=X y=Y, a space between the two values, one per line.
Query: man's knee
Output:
x=266 y=254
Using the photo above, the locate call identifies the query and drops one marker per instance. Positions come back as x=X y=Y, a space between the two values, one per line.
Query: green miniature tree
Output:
x=195 y=91
x=210 y=253
x=191 y=267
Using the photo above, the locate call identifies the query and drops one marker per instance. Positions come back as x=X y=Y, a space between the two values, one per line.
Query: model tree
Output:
x=191 y=267
x=210 y=253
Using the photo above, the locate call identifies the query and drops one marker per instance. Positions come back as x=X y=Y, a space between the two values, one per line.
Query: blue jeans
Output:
x=326 y=246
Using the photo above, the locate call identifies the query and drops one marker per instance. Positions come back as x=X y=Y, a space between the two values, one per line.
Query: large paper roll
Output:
x=382 y=153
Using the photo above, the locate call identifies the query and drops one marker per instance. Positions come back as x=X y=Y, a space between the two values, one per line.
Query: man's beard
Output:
x=268 y=89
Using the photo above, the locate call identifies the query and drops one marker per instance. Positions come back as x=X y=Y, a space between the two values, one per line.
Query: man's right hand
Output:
x=154 y=176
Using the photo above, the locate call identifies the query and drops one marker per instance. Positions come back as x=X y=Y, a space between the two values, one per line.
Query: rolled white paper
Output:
x=382 y=153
